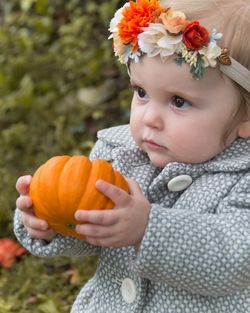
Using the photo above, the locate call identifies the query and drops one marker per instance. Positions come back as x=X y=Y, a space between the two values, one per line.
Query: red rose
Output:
x=195 y=36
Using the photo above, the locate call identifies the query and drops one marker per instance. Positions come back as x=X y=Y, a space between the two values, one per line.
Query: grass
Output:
x=36 y=285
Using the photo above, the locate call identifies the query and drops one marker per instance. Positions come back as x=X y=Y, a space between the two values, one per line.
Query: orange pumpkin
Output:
x=65 y=184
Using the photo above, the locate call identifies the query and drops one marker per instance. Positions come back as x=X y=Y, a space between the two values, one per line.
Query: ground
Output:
x=35 y=285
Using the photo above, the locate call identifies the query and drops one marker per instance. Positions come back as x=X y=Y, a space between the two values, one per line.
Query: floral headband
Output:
x=145 y=27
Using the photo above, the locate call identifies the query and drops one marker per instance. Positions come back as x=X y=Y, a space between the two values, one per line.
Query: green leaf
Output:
x=48 y=307
x=41 y=6
x=26 y=4
x=179 y=60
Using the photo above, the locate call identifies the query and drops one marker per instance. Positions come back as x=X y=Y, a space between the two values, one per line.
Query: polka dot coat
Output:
x=195 y=254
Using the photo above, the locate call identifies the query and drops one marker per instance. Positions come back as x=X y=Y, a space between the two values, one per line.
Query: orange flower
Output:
x=174 y=21
x=136 y=16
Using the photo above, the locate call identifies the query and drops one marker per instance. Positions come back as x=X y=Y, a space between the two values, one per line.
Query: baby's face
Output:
x=177 y=118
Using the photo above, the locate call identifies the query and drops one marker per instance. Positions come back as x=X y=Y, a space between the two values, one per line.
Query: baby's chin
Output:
x=159 y=161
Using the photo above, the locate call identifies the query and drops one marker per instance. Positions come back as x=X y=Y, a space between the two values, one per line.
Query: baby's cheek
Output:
x=198 y=149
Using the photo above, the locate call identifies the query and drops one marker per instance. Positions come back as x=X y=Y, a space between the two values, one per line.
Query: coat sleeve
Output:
x=207 y=254
x=60 y=245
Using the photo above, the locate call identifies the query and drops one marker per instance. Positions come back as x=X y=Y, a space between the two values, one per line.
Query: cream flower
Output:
x=155 y=40
x=210 y=54
x=119 y=47
x=116 y=20
x=190 y=57
x=174 y=21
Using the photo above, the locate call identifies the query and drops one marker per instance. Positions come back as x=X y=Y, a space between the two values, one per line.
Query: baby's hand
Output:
x=124 y=225
x=36 y=227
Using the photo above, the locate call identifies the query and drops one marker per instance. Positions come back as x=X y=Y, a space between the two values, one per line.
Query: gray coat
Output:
x=195 y=254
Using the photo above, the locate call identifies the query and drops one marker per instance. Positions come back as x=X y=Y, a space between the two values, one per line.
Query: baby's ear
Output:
x=244 y=129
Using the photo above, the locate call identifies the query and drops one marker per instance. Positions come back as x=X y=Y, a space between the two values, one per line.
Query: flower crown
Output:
x=145 y=27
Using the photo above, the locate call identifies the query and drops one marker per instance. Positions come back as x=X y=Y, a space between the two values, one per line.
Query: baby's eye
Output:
x=141 y=93
x=180 y=103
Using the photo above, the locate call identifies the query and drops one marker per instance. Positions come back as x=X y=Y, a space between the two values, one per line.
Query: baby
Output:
x=179 y=241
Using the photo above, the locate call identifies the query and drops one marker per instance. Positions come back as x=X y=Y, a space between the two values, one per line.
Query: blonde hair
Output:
x=232 y=19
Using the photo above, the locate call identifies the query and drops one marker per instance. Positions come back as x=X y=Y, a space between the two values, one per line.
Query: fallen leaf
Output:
x=9 y=250
x=73 y=275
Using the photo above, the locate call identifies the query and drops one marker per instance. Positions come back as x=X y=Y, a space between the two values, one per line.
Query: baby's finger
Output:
x=104 y=242
x=117 y=195
x=45 y=235
x=23 y=183
x=97 y=231
x=31 y=221
x=24 y=203
x=99 y=217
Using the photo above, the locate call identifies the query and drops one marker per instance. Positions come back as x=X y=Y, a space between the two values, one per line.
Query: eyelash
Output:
x=174 y=100
x=137 y=89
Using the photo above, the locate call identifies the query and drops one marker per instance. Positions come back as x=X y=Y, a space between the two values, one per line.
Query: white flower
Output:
x=190 y=57
x=116 y=20
x=155 y=40
x=124 y=57
x=135 y=56
x=210 y=53
x=215 y=36
x=127 y=54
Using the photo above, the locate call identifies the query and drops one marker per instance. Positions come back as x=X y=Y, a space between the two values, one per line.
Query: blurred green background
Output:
x=59 y=84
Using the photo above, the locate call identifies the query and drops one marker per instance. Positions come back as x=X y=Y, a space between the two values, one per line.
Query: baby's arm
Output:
x=203 y=253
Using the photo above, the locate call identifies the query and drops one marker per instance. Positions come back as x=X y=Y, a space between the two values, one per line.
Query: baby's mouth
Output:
x=153 y=145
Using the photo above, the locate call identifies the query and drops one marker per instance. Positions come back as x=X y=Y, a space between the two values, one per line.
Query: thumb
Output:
x=22 y=184
x=134 y=187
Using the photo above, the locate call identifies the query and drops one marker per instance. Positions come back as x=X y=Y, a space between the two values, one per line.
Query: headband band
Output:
x=146 y=27
x=237 y=72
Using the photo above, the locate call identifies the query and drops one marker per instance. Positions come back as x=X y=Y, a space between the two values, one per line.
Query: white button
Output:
x=128 y=290
x=180 y=183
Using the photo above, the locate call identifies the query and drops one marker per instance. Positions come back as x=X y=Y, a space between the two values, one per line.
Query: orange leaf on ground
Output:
x=9 y=250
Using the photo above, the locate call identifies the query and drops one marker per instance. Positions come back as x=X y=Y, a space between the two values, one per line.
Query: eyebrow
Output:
x=133 y=82
x=187 y=95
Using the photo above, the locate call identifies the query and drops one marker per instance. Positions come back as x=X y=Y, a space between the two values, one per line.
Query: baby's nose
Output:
x=153 y=117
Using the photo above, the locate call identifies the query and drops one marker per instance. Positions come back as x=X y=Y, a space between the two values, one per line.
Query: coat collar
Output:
x=117 y=136
x=233 y=159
